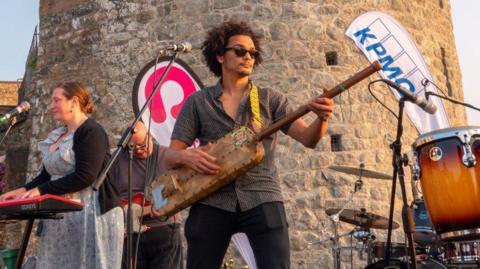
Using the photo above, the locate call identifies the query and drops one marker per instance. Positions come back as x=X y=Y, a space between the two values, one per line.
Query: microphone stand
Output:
x=407 y=214
x=123 y=145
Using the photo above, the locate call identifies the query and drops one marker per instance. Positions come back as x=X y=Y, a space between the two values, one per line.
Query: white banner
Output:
x=243 y=245
x=177 y=86
x=382 y=38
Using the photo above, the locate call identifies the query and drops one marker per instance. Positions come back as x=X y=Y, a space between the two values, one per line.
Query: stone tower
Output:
x=106 y=43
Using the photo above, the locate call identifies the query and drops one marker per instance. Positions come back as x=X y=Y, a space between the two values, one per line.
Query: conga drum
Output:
x=449 y=171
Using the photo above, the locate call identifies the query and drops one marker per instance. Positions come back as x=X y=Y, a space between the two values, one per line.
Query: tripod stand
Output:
x=334 y=217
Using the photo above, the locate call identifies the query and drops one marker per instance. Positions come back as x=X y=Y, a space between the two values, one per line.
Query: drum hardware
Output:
x=462 y=252
x=364 y=239
x=424 y=231
x=363 y=234
x=464 y=134
x=399 y=264
x=335 y=215
x=461 y=235
x=328 y=239
x=360 y=172
x=415 y=169
x=468 y=158
x=361 y=218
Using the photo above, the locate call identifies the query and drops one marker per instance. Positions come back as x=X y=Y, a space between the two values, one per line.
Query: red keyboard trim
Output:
x=38 y=199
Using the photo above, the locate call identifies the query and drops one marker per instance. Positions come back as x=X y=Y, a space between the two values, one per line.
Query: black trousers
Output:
x=159 y=248
x=208 y=231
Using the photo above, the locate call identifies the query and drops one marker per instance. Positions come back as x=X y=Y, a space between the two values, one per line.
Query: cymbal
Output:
x=360 y=172
x=362 y=218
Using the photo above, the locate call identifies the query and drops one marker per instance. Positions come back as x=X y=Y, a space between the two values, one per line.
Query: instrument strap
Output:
x=152 y=164
x=255 y=107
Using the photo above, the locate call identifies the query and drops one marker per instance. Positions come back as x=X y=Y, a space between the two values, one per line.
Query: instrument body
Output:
x=140 y=208
x=450 y=180
x=236 y=153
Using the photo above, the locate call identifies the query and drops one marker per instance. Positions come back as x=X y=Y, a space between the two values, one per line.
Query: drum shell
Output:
x=397 y=250
x=451 y=189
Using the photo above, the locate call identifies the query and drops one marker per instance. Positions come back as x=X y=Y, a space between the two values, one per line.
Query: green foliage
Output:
x=32 y=62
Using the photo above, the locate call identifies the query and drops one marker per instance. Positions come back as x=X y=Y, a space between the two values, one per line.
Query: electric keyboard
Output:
x=43 y=204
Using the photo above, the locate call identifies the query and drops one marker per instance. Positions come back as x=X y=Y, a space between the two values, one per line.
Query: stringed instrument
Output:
x=140 y=209
x=236 y=153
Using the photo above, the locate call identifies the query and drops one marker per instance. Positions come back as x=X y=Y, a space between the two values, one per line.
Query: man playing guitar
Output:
x=253 y=203
x=160 y=245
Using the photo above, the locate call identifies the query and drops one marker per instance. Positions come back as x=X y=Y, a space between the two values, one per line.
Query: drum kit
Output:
x=446 y=219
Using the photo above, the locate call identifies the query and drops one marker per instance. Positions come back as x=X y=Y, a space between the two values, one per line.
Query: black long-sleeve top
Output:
x=92 y=152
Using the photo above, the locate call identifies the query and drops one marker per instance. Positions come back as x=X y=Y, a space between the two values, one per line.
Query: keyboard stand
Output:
x=28 y=230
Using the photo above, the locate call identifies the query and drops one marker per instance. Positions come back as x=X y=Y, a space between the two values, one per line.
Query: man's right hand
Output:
x=198 y=160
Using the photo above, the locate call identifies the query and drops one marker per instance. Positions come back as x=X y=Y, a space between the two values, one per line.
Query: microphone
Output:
x=22 y=107
x=182 y=47
x=427 y=105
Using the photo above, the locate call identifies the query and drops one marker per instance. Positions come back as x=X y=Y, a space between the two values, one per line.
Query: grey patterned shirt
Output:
x=203 y=117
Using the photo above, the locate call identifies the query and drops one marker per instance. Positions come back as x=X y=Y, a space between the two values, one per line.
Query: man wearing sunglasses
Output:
x=253 y=202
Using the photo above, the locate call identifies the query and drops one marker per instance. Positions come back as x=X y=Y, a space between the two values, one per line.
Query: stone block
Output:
x=294 y=10
x=263 y=13
x=279 y=31
x=50 y=7
x=311 y=30
x=222 y=4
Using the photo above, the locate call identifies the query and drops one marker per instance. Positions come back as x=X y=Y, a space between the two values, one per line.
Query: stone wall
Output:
x=9 y=93
x=106 y=43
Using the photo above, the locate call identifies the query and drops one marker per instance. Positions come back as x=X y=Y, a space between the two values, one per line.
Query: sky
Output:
x=18 y=19
x=466 y=22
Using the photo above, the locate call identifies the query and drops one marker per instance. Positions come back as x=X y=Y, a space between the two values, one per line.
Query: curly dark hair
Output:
x=217 y=40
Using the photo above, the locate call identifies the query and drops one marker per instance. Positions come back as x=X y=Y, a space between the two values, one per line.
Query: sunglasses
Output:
x=241 y=52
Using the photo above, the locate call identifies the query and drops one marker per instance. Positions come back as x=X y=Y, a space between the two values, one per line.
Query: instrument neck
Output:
x=374 y=67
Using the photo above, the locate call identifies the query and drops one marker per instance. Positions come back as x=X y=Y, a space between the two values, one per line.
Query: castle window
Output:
x=332 y=58
x=336 y=142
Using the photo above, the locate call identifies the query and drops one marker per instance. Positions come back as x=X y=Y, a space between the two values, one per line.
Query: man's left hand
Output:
x=322 y=106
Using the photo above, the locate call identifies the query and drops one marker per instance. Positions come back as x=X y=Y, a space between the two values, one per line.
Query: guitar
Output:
x=236 y=152
x=140 y=209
